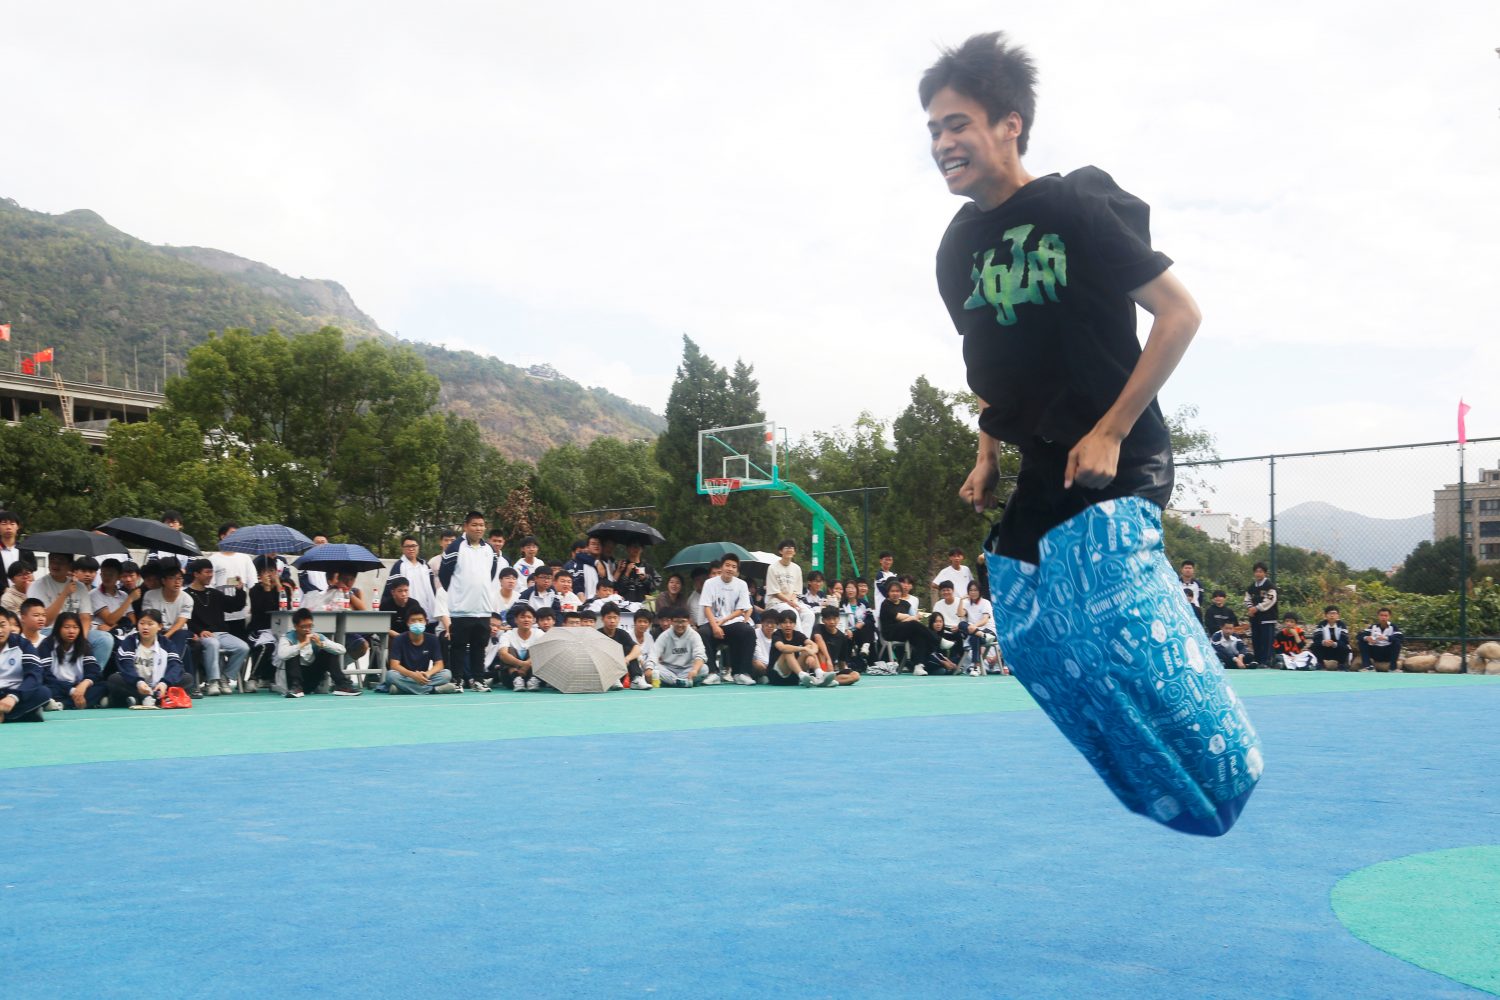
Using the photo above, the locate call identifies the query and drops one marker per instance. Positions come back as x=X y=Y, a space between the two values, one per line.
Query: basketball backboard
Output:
x=745 y=454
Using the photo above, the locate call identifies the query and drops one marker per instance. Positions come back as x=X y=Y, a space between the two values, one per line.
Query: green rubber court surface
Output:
x=907 y=837
x=263 y=723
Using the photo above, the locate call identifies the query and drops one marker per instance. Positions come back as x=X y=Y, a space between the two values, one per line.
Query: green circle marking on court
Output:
x=1440 y=911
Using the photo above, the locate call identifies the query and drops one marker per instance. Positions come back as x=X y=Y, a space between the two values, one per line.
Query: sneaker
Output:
x=252 y=686
x=711 y=679
x=744 y=679
x=209 y=690
x=447 y=688
x=617 y=686
x=294 y=693
x=805 y=679
x=762 y=680
x=348 y=691
x=975 y=672
x=226 y=687
x=53 y=705
x=519 y=684
x=104 y=702
x=830 y=680
x=917 y=671
x=478 y=686
x=143 y=703
x=533 y=683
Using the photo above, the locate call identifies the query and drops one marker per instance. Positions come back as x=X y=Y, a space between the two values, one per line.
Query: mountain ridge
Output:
x=94 y=293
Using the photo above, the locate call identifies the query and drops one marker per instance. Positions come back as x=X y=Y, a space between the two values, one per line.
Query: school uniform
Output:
x=1192 y=590
x=627 y=644
x=1338 y=634
x=62 y=674
x=1227 y=646
x=156 y=664
x=21 y=674
x=306 y=665
x=1380 y=643
x=470 y=574
x=1260 y=598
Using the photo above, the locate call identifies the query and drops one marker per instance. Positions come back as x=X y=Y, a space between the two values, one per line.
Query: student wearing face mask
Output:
x=416 y=663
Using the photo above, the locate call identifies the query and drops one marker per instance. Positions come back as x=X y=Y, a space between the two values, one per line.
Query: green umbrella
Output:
x=700 y=555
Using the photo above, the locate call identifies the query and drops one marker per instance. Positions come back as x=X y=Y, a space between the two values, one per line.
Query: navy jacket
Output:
x=31 y=666
x=126 y=660
x=48 y=651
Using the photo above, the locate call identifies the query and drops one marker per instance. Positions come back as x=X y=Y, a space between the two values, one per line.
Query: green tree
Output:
x=49 y=476
x=346 y=437
x=934 y=451
x=1431 y=568
x=160 y=463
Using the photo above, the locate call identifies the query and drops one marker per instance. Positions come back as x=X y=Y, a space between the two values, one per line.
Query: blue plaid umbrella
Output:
x=266 y=539
x=337 y=557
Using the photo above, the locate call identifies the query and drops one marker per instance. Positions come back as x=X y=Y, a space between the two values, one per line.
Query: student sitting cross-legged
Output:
x=796 y=657
x=833 y=647
x=69 y=670
x=147 y=666
x=23 y=694
x=416 y=661
x=680 y=656
x=946 y=641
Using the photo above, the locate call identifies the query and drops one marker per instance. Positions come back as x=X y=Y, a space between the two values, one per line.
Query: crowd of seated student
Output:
x=92 y=634
x=1326 y=646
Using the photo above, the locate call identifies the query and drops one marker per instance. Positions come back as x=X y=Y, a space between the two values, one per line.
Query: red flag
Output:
x=1463 y=408
x=4 y=331
x=28 y=366
x=43 y=356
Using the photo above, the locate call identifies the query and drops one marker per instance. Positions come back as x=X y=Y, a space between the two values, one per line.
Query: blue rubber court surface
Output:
x=913 y=837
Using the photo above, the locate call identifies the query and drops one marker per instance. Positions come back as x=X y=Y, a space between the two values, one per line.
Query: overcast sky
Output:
x=584 y=183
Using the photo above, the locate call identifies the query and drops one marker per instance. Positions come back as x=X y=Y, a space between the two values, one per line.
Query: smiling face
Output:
x=977 y=159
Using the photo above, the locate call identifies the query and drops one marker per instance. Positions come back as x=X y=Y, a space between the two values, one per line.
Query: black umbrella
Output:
x=150 y=535
x=626 y=532
x=73 y=541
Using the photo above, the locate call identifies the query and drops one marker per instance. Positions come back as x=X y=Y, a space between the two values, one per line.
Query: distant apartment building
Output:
x=1481 y=515
x=1240 y=534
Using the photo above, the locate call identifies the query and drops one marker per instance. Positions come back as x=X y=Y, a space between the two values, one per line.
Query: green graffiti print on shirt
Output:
x=1028 y=277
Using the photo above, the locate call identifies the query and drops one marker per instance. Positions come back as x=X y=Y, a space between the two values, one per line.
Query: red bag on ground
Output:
x=175 y=697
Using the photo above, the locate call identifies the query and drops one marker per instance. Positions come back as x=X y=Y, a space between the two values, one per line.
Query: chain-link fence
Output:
x=1358 y=529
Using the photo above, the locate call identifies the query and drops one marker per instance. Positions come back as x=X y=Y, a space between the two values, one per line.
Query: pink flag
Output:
x=1463 y=408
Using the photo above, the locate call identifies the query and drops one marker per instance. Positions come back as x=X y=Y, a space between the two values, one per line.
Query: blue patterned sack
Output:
x=1100 y=635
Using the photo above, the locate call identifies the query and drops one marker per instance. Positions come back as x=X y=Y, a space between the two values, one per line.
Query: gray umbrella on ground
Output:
x=577 y=660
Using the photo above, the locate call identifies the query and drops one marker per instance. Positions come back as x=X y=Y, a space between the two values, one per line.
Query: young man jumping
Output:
x=1041 y=276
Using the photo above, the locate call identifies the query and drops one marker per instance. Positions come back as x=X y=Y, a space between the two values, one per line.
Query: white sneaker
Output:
x=448 y=688
x=744 y=679
x=805 y=679
x=519 y=684
x=830 y=680
x=917 y=671
x=53 y=705
x=617 y=686
x=210 y=689
x=533 y=684
x=710 y=679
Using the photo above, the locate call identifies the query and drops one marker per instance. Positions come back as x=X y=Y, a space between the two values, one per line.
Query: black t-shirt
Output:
x=401 y=615
x=625 y=639
x=798 y=640
x=836 y=641
x=1215 y=617
x=1039 y=289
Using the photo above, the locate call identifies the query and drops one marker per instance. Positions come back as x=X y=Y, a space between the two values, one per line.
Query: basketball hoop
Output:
x=718 y=490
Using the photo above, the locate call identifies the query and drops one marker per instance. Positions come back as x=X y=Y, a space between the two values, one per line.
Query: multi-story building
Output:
x=1240 y=534
x=1481 y=515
